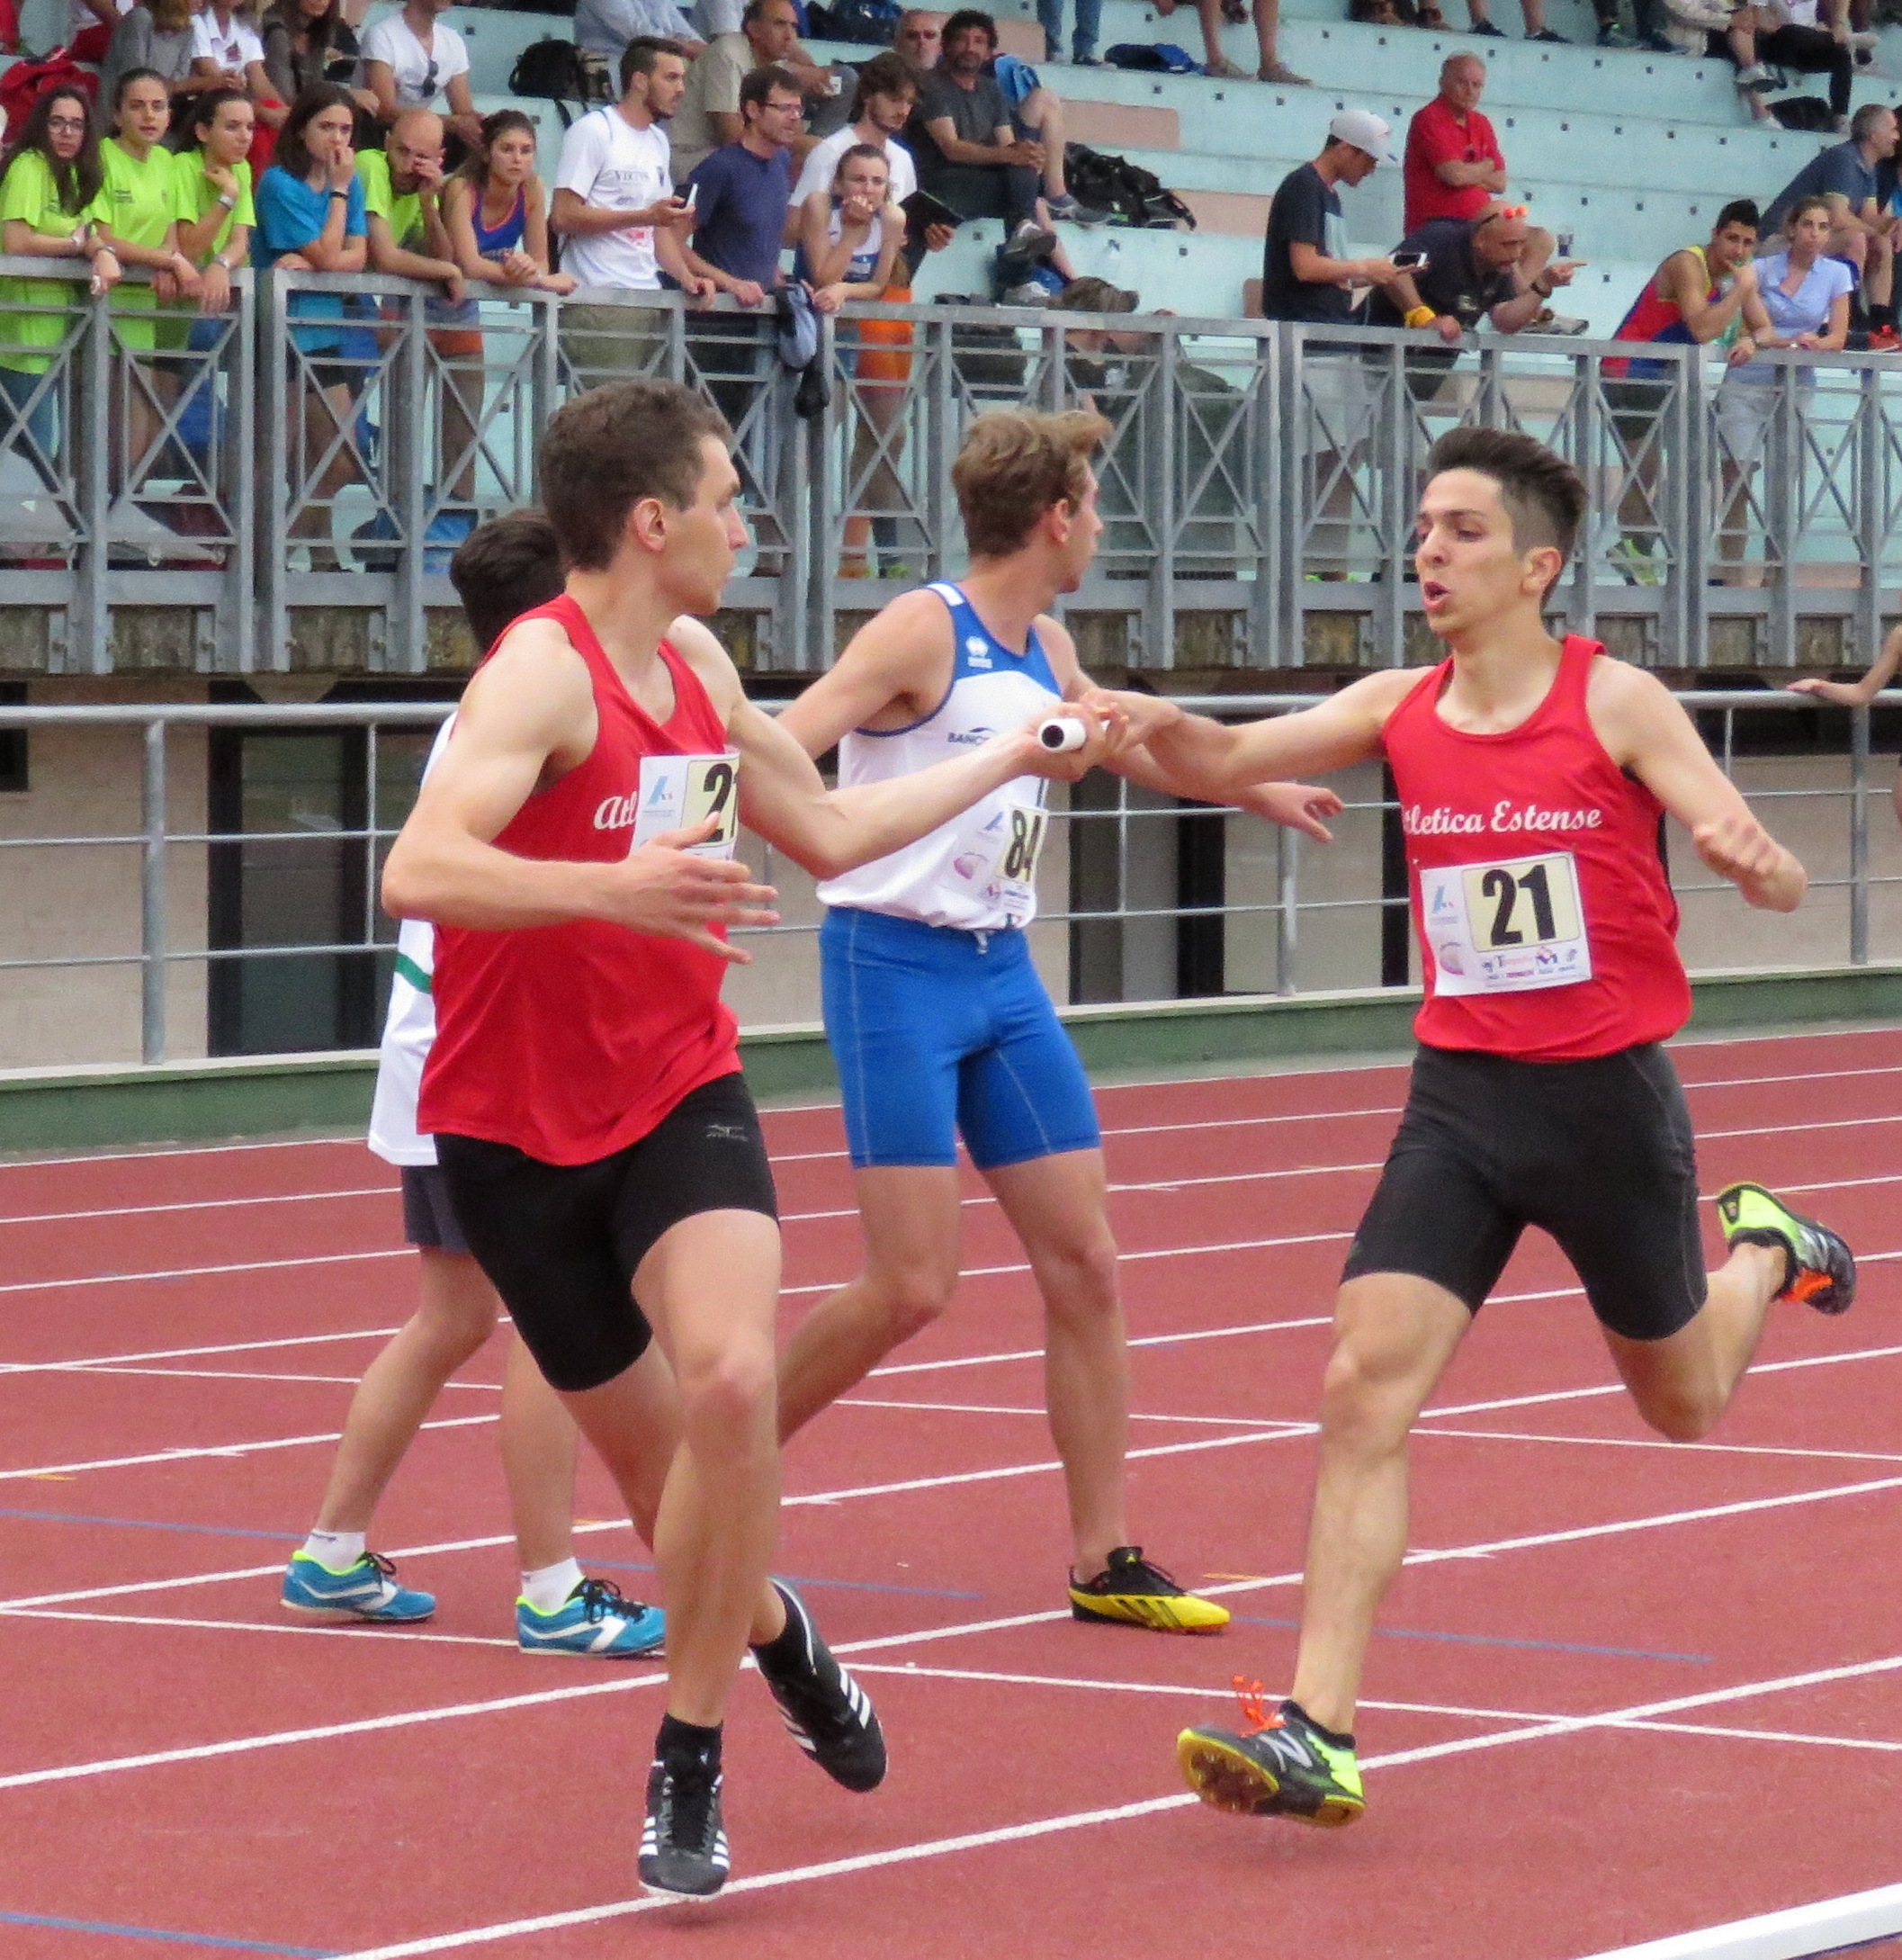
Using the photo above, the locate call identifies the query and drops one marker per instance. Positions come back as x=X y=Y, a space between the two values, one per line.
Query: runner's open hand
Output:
x=1299 y=806
x=663 y=888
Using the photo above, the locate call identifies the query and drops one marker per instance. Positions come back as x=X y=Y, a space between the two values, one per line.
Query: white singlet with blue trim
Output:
x=978 y=871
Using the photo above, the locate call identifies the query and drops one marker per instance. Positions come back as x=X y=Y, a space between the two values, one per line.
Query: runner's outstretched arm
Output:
x=1216 y=763
x=528 y=717
x=1858 y=693
x=1646 y=731
x=784 y=797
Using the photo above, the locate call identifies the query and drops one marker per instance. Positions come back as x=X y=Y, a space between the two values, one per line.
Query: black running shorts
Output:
x=428 y=1217
x=562 y=1243
x=1599 y=1154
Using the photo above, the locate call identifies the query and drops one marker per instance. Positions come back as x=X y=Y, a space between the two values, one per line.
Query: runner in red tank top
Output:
x=1531 y=778
x=573 y=846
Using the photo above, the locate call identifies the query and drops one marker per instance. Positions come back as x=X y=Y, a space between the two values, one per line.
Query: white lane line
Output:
x=1659 y=1443
x=1827 y=1925
x=1538 y=1730
x=927 y=1636
x=189 y=1453
x=254 y=1374
x=1764 y=1735
x=1042 y=1414
x=200 y=1204
x=182 y=1354
x=201 y=1272
x=398 y=1635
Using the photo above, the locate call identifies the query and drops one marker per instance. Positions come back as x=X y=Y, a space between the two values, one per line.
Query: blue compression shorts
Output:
x=940 y=1032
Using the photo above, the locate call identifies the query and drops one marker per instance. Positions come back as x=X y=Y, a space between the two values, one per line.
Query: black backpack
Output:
x=1803 y=113
x=1129 y=194
x=554 y=70
x=872 y=23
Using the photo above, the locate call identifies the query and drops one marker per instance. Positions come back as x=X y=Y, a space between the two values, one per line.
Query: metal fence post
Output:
x=1287 y=860
x=238 y=639
x=406 y=430
x=92 y=630
x=1264 y=439
x=1287 y=471
x=1689 y=560
x=152 y=935
x=1159 y=458
x=1782 y=503
x=1871 y=433
x=1859 y=836
x=1393 y=450
x=273 y=511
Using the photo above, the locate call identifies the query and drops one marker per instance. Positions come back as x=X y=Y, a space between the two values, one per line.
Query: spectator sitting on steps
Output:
x=1863 y=233
x=604 y=27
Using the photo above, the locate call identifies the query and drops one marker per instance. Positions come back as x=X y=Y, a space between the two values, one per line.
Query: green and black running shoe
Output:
x=1821 y=1271
x=1282 y=1765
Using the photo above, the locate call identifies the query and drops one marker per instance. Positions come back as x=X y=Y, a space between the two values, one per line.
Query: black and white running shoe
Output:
x=825 y=1710
x=683 y=1850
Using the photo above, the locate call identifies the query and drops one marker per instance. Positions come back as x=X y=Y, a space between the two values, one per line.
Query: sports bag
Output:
x=26 y=82
x=873 y=23
x=1158 y=57
x=1131 y=195
x=555 y=70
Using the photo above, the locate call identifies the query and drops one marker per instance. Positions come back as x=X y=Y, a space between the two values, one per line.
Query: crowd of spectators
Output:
x=291 y=139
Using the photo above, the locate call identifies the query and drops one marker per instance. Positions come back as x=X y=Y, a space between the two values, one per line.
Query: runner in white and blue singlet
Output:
x=939 y=1021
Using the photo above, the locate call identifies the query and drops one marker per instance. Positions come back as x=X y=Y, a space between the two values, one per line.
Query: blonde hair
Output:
x=1014 y=465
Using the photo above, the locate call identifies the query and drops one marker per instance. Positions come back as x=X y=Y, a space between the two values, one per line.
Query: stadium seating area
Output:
x=1633 y=152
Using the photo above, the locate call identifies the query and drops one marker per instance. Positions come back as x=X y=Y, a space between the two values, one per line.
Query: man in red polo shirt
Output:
x=1454 y=167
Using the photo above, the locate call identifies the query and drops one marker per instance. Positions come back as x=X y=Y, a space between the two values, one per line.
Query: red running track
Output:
x=1624 y=1689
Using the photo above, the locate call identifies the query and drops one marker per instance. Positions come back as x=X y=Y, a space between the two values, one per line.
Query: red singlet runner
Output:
x=573 y=1041
x=1547 y=925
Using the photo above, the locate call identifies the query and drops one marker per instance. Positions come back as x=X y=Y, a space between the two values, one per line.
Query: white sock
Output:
x=337 y=1549
x=547 y=1590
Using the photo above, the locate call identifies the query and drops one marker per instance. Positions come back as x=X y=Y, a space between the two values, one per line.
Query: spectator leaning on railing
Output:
x=412 y=59
x=216 y=213
x=616 y=210
x=742 y=193
x=604 y=27
x=402 y=189
x=495 y=209
x=1470 y=269
x=310 y=218
x=709 y=111
x=51 y=206
x=1860 y=232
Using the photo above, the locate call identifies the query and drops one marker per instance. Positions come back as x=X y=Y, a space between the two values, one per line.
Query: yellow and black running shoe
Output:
x=1282 y=1765
x=1821 y=1271
x=1129 y=1591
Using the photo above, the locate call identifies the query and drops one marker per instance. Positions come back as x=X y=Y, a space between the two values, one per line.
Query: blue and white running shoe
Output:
x=367 y=1590
x=597 y=1618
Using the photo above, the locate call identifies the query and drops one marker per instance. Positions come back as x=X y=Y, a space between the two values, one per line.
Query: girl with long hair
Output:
x=217 y=214
x=310 y=218
x=308 y=41
x=51 y=182
x=495 y=210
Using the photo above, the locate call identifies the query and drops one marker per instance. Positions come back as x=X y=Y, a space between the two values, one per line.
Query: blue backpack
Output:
x=1160 y=58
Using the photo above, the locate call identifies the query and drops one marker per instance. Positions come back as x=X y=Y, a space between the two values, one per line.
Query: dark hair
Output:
x=758 y=84
x=609 y=449
x=290 y=156
x=1014 y=465
x=885 y=73
x=203 y=112
x=506 y=567
x=1543 y=494
x=969 y=17
x=137 y=74
x=638 y=58
x=1739 y=211
x=79 y=182
x=324 y=33
x=474 y=167
x=869 y=151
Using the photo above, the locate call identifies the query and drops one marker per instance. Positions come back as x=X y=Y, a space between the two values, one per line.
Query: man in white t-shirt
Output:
x=411 y=60
x=616 y=212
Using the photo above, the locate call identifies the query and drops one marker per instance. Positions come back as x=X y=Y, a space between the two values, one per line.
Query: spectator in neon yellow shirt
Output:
x=215 y=212
x=50 y=184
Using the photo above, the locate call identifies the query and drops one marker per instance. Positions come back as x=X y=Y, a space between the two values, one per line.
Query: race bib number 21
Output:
x=1505 y=928
x=678 y=791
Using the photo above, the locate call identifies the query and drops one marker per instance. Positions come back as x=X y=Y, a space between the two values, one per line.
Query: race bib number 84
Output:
x=1505 y=928
x=679 y=791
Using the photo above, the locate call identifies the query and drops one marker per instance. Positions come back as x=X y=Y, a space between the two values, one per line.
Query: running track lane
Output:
x=990 y=1754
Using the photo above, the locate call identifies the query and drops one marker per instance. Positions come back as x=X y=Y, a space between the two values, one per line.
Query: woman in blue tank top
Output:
x=495 y=210
x=849 y=236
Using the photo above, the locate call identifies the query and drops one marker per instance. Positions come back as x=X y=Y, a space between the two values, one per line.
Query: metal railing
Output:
x=298 y=471
x=1112 y=880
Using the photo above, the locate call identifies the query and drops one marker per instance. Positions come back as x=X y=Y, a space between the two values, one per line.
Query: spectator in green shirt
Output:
x=216 y=214
x=50 y=202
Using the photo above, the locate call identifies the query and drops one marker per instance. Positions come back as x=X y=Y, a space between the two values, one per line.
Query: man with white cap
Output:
x=1306 y=275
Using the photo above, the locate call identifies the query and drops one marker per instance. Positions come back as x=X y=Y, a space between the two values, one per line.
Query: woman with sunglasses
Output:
x=51 y=203
x=410 y=57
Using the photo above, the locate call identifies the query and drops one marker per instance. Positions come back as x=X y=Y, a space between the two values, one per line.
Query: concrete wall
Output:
x=83 y=901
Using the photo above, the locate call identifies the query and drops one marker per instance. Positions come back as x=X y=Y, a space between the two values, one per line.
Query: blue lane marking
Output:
x=213 y=1941
x=1500 y=1639
x=795 y=1579
x=154 y=1525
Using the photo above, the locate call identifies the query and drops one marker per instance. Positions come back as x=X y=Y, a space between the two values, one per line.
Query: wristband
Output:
x=1544 y=292
x=227 y=203
x=1421 y=316
x=339 y=194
